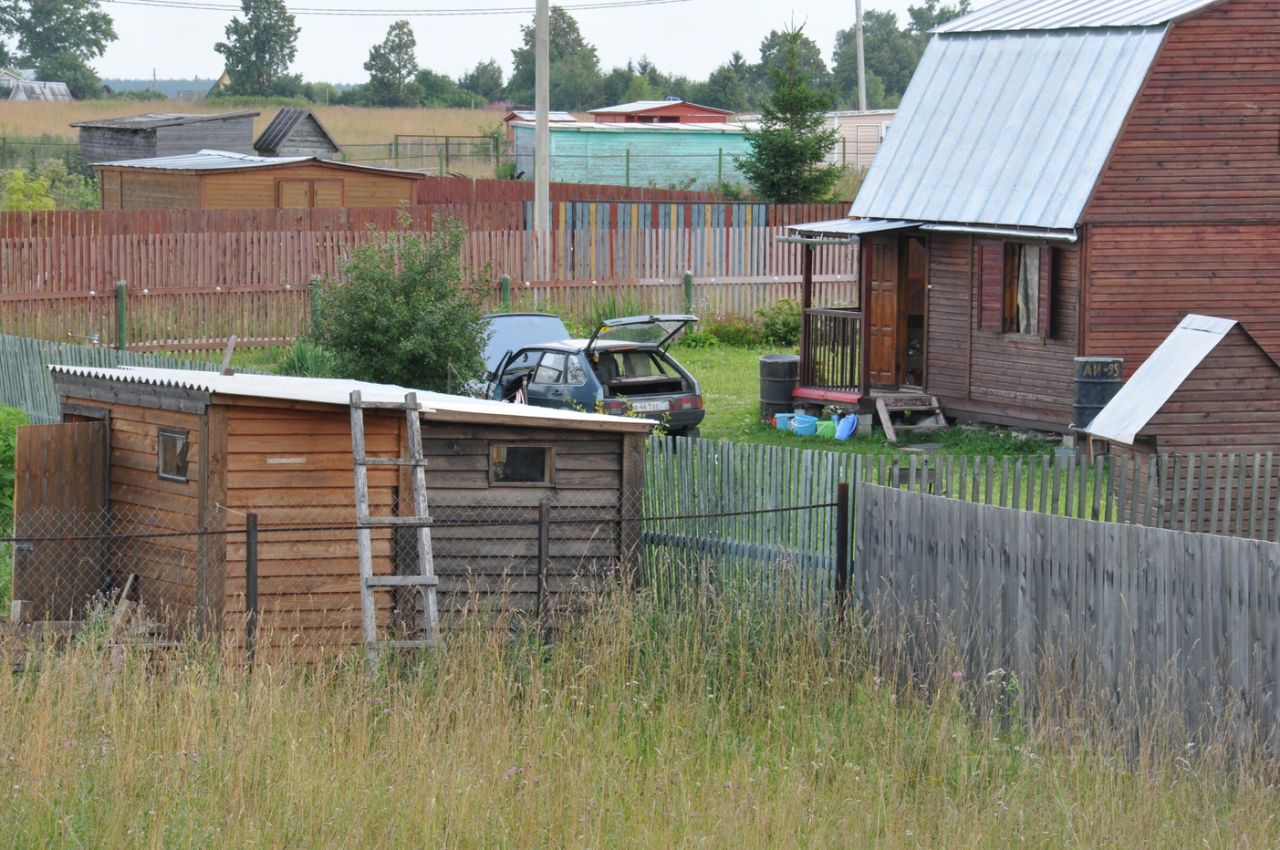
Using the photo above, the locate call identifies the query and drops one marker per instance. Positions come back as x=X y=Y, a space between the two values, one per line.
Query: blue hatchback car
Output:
x=623 y=369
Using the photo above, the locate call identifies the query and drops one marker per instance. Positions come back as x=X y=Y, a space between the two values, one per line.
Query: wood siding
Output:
x=1201 y=141
x=107 y=144
x=133 y=190
x=306 y=139
x=256 y=188
x=226 y=134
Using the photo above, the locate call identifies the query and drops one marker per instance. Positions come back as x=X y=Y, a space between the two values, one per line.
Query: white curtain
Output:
x=1029 y=289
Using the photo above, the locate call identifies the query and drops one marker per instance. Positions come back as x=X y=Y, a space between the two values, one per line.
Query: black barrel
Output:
x=779 y=375
x=1098 y=379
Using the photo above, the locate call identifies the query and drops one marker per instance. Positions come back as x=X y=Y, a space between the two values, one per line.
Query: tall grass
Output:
x=644 y=725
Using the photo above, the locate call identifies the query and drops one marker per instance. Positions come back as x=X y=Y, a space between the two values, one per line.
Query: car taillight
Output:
x=613 y=406
x=696 y=402
x=686 y=402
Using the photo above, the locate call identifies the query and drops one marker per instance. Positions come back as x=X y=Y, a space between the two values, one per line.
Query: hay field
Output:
x=350 y=125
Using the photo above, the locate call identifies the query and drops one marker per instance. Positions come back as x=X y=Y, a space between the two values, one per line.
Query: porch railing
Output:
x=831 y=350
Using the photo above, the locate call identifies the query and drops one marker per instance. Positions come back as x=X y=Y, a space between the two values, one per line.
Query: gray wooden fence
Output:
x=1130 y=614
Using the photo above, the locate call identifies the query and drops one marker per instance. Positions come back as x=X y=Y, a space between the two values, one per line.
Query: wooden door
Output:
x=60 y=491
x=291 y=194
x=883 y=325
x=326 y=193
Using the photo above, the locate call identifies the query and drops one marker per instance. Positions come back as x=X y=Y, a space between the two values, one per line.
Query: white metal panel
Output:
x=1006 y=15
x=851 y=226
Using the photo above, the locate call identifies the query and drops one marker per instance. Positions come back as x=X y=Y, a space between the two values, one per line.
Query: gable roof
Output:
x=152 y=120
x=284 y=123
x=637 y=106
x=1006 y=15
x=1008 y=129
x=1159 y=377
x=213 y=160
x=532 y=115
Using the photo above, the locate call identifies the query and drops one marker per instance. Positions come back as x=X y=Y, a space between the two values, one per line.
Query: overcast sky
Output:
x=689 y=38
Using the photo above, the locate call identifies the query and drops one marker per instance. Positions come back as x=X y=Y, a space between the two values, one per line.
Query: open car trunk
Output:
x=633 y=373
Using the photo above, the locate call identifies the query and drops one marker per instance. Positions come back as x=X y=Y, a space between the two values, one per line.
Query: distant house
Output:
x=1063 y=180
x=164 y=134
x=531 y=115
x=673 y=154
x=296 y=132
x=859 y=134
x=213 y=179
x=672 y=111
x=22 y=84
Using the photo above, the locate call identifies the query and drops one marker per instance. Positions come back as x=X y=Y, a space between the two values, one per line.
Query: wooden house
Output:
x=213 y=179
x=164 y=134
x=1060 y=180
x=178 y=451
x=671 y=111
x=296 y=132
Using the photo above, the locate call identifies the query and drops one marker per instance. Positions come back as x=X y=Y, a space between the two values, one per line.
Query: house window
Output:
x=520 y=464
x=1021 y=299
x=1016 y=288
x=171 y=454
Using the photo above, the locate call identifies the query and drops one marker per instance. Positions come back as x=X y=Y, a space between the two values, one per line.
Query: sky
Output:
x=690 y=38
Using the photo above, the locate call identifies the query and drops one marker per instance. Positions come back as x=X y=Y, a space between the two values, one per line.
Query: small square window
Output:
x=171 y=452
x=520 y=464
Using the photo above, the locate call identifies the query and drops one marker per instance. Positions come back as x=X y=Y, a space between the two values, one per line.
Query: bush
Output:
x=308 y=360
x=741 y=333
x=782 y=322
x=698 y=339
x=10 y=419
x=399 y=312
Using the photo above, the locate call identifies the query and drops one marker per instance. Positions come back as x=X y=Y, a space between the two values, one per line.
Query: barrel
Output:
x=779 y=375
x=1097 y=379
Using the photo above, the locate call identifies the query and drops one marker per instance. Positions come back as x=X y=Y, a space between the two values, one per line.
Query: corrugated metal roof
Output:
x=619 y=127
x=647 y=105
x=152 y=120
x=1158 y=378
x=338 y=391
x=284 y=123
x=851 y=226
x=532 y=115
x=212 y=160
x=1008 y=129
x=1006 y=15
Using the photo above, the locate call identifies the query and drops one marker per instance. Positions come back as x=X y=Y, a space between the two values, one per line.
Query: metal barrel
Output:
x=1097 y=381
x=779 y=376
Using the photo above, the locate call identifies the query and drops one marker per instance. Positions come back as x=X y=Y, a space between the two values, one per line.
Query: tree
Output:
x=891 y=54
x=484 y=80
x=72 y=70
x=725 y=88
x=778 y=46
x=441 y=90
x=23 y=192
x=924 y=19
x=392 y=66
x=58 y=37
x=789 y=151
x=259 y=49
x=845 y=76
x=399 y=313
x=576 y=82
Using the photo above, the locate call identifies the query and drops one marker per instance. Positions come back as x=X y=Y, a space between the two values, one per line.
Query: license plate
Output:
x=650 y=406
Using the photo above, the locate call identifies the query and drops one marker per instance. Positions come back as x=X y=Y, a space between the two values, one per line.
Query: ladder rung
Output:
x=384 y=405
x=390 y=461
x=401 y=581
x=406 y=644
x=390 y=521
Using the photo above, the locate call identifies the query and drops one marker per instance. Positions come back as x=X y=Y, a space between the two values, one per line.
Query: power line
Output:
x=199 y=5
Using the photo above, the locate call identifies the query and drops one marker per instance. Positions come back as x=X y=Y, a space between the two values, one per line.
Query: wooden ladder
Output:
x=424 y=580
x=886 y=406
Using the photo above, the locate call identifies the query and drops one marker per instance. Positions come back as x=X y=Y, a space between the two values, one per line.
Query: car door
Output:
x=547 y=387
x=517 y=369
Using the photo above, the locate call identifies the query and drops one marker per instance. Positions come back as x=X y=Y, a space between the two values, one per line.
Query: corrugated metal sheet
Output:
x=1008 y=129
x=648 y=105
x=151 y=120
x=1006 y=15
x=851 y=226
x=1158 y=378
x=211 y=160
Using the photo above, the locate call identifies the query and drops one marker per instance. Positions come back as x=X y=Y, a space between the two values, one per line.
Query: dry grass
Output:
x=348 y=124
x=645 y=727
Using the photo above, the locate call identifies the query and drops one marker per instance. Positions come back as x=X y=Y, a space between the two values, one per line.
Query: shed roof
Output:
x=1008 y=128
x=1158 y=378
x=152 y=120
x=618 y=127
x=638 y=106
x=532 y=115
x=284 y=123
x=337 y=391
x=1005 y=15
x=213 y=160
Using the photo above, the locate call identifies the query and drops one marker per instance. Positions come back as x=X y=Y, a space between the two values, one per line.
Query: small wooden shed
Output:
x=296 y=132
x=184 y=451
x=213 y=179
x=164 y=134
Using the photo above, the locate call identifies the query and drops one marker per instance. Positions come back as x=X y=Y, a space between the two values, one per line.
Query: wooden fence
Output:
x=1137 y=617
x=465 y=190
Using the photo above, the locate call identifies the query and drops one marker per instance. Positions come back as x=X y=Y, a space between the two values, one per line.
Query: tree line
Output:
x=59 y=38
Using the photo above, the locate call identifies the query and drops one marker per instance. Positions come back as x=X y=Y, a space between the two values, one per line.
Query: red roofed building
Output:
x=661 y=112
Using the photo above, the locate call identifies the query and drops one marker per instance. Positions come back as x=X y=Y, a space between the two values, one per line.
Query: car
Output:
x=624 y=369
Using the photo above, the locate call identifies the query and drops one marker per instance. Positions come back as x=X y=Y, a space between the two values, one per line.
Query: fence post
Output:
x=544 y=545
x=842 y=546
x=505 y=280
x=251 y=585
x=313 y=296
x=122 y=316
x=688 y=292
x=395 y=149
x=720 y=168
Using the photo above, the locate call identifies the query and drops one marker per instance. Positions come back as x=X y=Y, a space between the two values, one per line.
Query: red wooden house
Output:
x=660 y=112
x=1060 y=180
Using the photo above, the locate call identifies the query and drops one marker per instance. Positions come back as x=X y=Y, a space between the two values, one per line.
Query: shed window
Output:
x=521 y=464
x=171 y=454
x=1016 y=288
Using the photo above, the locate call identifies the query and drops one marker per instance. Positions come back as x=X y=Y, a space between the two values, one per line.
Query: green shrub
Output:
x=698 y=339
x=740 y=333
x=308 y=360
x=782 y=322
x=10 y=419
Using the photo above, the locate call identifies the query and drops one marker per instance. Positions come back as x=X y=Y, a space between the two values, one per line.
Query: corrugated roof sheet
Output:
x=851 y=226
x=1008 y=129
x=284 y=123
x=646 y=105
x=1158 y=378
x=212 y=160
x=532 y=115
x=152 y=120
x=1006 y=15
x=338 y=391
x=619 y=127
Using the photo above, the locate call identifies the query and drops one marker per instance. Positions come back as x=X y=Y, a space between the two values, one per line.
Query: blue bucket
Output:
x=783 y=421
x=804 y=426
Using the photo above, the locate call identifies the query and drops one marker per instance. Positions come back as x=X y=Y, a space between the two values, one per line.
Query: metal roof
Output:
x=284 y=123
x=151 y=120
x=212 y=160
x=851 y=226
x=1006 y=15
x=337 y=391
x=1008 y=129
x=620 y=127
x=1158 y=378
x=532 y=115
x=648 y=105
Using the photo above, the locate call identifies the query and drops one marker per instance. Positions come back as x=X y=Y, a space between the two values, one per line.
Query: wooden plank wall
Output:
x=1132 y=616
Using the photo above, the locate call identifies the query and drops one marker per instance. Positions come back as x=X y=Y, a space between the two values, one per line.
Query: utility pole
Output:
x=542 y=141
x=862 y=64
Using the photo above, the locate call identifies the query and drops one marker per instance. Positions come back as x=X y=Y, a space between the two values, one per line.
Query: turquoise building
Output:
x=683 y=156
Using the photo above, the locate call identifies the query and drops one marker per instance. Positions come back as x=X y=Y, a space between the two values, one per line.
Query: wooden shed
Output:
x=1061 y=180
x=183 y=451
x=214 y=179
x=671 y=111
x=296 y=132
x=164 y=134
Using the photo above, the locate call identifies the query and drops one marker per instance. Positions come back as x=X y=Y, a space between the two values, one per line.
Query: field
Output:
x=349 y=125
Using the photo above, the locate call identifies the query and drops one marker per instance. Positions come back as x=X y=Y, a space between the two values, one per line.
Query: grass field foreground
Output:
x=645 y=726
